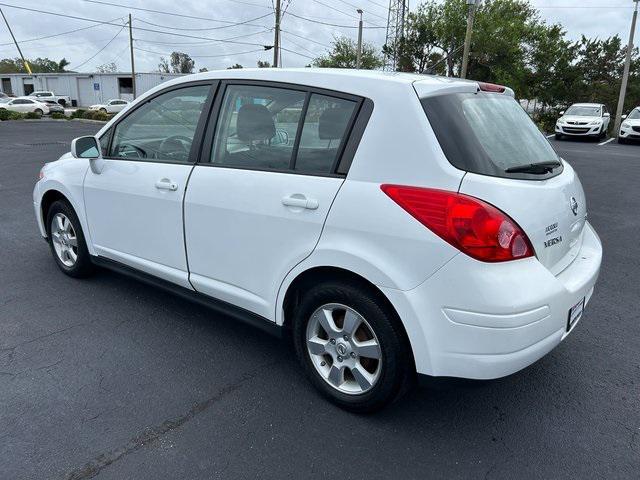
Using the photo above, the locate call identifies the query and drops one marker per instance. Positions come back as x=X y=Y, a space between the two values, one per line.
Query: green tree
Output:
x=237 y=66
x=38 y=65
x=343 y=54
x=262 y=64
x=178 y=62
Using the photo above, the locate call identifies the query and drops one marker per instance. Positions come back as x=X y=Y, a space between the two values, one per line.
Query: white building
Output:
x=84 y=89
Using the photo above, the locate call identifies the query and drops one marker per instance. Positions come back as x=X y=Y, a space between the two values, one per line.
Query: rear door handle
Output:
x=300 y=201
x=166 y=184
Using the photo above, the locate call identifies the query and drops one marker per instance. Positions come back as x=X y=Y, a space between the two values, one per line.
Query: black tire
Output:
x=397 y=370
x=103 y=110
x=622 y=141
x=38 y=112
x=83 y=266
x=62 y=102
x=558 y=136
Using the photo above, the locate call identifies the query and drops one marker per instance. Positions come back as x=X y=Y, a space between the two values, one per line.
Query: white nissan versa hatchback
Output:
x=392 y=223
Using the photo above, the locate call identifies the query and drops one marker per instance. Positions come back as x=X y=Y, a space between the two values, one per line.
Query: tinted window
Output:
x=487 y=134
x=634 y=115
x=163 y=128
x=257 y=127
x=325 y=127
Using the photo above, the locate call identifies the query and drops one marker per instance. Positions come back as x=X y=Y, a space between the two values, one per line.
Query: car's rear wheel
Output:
x=38 y=112
x=103 y=110
x=67 y=241
x=352 y=346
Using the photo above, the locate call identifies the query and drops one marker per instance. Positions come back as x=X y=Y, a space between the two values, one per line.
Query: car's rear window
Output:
x=488 y=133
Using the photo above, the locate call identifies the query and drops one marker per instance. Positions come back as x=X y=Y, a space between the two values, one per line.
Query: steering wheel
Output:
x=126 y=149
x=174 y=147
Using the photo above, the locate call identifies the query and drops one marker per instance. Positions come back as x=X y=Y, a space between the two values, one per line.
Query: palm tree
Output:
x=62 y=64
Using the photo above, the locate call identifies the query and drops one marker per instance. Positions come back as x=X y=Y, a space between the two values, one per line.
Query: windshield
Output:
x=488 y=134
x=582 y=111
x=5 y=99
x=635 y=115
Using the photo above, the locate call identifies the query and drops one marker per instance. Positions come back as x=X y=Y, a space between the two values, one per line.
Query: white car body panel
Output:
x=50 y=96
x=112 y=106
x=31 y=106
x=463 y=317
x=134 y=222
x=235 y=222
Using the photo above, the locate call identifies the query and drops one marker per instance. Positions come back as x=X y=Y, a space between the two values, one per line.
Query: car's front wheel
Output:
x=352 y=346
x=38 y=112
x=67 y=241
x=621 y=140
x=558 y=136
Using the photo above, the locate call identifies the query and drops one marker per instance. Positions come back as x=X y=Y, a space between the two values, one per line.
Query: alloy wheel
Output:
x=65 y=241
x=344 y=349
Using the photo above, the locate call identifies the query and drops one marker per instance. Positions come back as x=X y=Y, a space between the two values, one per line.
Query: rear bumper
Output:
x=482 y=321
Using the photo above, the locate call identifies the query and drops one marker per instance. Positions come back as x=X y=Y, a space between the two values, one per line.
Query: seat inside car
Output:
x=256 y=128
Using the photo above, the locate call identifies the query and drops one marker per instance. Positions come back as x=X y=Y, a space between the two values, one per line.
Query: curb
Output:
x=87 y=120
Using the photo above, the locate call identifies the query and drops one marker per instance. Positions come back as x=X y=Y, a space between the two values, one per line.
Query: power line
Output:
x=300 y=46
x=297 y=53
x=307 y=39
x=62 y=33
x=196 y=44
x=202 y=29
x=342 y=11
x=99 y=51
x=369 y=12
x=379 y=5
x=203 y=56
x=326 y=23
x=135 y=28
x=163 y=12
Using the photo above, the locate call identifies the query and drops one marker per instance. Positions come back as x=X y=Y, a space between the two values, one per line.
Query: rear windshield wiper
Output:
x=539 y=168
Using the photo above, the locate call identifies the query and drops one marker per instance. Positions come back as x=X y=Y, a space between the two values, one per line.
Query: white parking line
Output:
x=549 y=136
x=604 y=143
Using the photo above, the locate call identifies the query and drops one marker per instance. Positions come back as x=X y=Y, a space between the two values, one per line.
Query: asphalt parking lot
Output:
x=110 y=378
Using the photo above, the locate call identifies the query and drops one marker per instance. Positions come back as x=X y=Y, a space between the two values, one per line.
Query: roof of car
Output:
x=587 y=105
x=340 y=79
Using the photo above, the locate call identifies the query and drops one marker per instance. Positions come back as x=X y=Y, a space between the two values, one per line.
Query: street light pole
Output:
x=625 y=76
x=467 y=39
x=359 y=54
x=133 y=65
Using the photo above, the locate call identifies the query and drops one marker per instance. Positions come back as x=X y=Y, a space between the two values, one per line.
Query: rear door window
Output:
x=488 y=134
x=324 y=130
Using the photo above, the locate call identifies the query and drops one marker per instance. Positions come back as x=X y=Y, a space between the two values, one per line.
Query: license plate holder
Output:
x=575 y=313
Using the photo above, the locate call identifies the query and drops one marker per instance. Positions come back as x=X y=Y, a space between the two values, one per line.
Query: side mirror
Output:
x=624 y=117
x=85 y=147
x=562 y=112
x=607 y=115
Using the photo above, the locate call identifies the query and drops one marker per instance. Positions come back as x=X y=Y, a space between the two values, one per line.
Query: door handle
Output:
x=300 y=201
x=166 y=184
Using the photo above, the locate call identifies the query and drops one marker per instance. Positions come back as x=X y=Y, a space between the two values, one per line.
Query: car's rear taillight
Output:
x=491 y=87
x=474 y=227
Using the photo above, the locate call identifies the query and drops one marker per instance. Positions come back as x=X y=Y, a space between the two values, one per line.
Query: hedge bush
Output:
x=10 y=115
x=32 y=116
x=59 y=116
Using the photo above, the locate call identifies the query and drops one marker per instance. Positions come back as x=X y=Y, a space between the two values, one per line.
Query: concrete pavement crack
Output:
x=94 y=467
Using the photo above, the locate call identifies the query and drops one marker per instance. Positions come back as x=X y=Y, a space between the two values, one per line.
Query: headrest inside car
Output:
x=255 y=123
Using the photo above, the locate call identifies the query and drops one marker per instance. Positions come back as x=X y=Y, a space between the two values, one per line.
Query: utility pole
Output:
x=276 y=39
x=26 y=64
x=471 y=15
x=625 y=76
x=133 y=66
x=359 y=54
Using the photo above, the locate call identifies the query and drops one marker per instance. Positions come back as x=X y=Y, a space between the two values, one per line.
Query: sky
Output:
x=302 y=38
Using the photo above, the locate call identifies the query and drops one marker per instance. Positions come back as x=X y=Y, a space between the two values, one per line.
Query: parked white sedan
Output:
x=583 y=120
x=112 y=106
x=25 y=105
x=437 y=232
x=630 y=128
